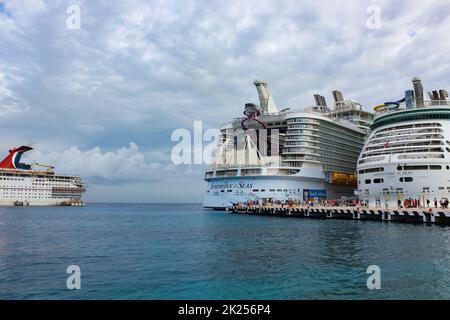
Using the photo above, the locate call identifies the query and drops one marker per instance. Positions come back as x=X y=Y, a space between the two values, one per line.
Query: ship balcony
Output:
x=400 y=150
x=301 y=138
x=282 y=171
x=397 y=139
x=411 y=134
x=251 y=172
x=302 y=120
x=301 y=159
x=303 y=127
x=401 y=145
x=226 y=173
x=303 y=133
x=288 y=147
x=301 y=153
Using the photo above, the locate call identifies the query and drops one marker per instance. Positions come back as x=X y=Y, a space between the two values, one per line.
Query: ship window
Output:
x=271 y=190
x=378 y=181
x=279 y=190
x=367 y=181
x=435 y=167
x=255 y=190
x=447 y=167
x=441 y=188
x=406 y=179
x=371 y=170
x=263 y=190
x=415 y=168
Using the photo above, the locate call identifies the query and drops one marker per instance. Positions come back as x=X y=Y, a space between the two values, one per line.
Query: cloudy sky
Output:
x=102 y=100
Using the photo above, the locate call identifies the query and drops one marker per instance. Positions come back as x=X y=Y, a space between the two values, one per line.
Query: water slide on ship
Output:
x=388 y=106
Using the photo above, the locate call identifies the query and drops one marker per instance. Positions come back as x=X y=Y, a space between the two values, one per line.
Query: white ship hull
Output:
x=21 y=185
x=223 y=193
x=425 y=185
x=31 y=188
x=405 y=161
x=42 y=203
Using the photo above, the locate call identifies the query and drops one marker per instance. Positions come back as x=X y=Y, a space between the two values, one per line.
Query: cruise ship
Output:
x=406 y=159
x=22 y=185
x=287 y=155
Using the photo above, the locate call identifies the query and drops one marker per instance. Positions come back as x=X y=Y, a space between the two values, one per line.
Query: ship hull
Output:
x=224 y=192
x=32 y=188
x=412 y=164
x=42 y=203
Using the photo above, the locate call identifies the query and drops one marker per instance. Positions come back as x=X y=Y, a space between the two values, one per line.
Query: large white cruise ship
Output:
x=21 y=185
x=406 y=159
x=309 y=155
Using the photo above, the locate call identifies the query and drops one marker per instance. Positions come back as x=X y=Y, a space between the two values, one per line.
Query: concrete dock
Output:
x=406 y=215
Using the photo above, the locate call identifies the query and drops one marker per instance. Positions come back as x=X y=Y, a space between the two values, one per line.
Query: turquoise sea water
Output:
x=160 y=251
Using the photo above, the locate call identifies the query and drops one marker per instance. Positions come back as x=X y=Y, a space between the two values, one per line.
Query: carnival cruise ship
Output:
x=282 y=155
x=22 y=185
x=407 y=156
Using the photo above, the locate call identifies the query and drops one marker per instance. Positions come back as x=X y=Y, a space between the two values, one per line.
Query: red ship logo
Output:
x=12 y=161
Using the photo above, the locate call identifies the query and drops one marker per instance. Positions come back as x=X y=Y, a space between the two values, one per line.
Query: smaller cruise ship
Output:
x=23 y=185
x=406 y=159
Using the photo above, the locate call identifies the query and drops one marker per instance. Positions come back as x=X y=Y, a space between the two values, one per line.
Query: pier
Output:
x=405 y=215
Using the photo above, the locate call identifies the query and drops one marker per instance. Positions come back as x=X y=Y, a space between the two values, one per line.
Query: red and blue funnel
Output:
x=12 y=161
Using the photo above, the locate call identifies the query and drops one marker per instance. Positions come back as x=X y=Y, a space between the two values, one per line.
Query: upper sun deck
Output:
x=36 y=174
x=433 y=109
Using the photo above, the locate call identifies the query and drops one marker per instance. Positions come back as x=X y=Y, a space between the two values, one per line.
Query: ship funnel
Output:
x=320 y=100
x=265 y=98
x=418 y=92
x=338 y=96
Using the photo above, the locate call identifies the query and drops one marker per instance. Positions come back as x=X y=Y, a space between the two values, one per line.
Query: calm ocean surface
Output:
x=129 y=251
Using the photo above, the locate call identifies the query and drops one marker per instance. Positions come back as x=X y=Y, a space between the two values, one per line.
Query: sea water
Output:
x=181 y=251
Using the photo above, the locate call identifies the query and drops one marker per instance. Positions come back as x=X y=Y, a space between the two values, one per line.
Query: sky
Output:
x=102 y=100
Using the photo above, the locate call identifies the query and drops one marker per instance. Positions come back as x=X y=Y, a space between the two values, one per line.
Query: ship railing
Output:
x=424 y=104
x=433 y=103
x=243 y=166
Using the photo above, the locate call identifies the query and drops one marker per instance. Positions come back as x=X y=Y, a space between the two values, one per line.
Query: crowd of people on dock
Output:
x=406 y=203
x=296 y=203
x=416 y=203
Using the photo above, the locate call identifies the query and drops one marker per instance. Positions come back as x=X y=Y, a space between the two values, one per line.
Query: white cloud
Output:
x=10 y=102
x=127 y=164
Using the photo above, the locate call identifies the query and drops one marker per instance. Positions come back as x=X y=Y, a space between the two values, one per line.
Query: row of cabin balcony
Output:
x=409 y=134
x=401 y=139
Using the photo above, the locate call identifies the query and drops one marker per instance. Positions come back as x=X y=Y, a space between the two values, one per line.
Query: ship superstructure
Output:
x=23 y=185
x=272 y=155
x=406 y=160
